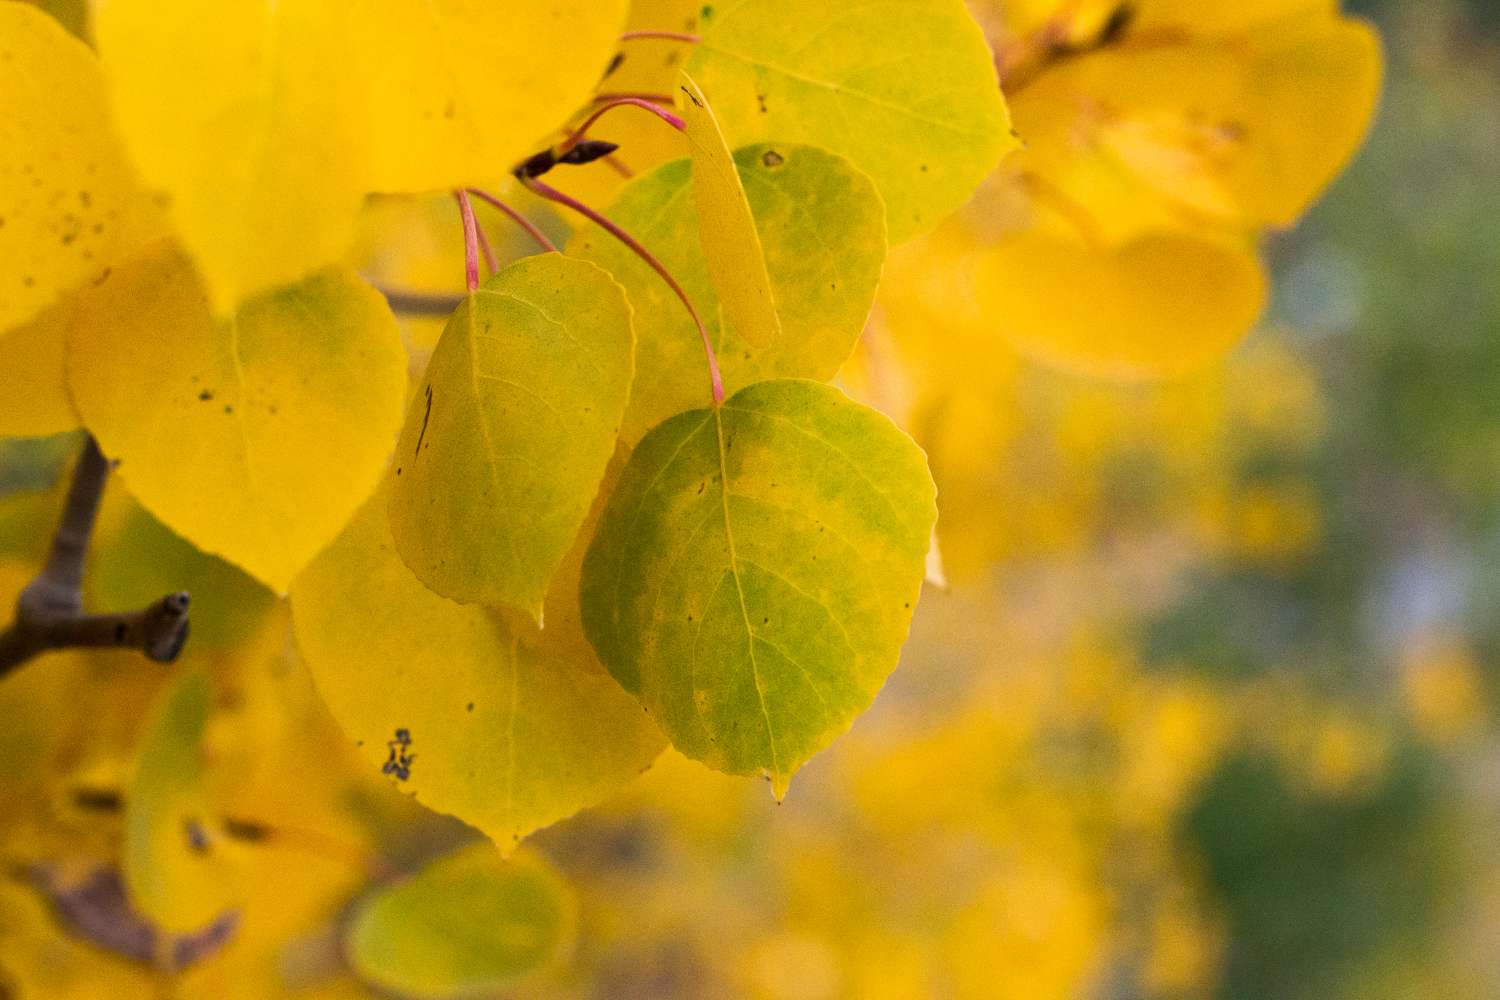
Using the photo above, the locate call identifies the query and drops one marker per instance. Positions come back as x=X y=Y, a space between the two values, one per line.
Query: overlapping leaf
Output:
x=66 y=190
x=726 y=228
x=753 y=575
x=34 y=401
x=506 y=726
x=822 y=230
x=254 y=437
x=510 y=430
x=906 y=89
x=267 y=123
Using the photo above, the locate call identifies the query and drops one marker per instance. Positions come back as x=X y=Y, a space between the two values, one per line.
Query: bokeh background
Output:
x=1208 y=709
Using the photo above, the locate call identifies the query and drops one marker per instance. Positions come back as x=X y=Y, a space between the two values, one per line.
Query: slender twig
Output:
x=605 y=96
x=668 y=36
x=490 y=266
x=49 y=612
x=517 y=218
x=421 y=303
x=581 y=131
x=716 y=382
x=471 y=242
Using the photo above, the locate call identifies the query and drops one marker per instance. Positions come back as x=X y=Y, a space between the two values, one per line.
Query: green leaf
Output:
x=508 y=727
x=904 y=88
x=175 y=873
x=731 y=246
x=822 y=230
x=510 y=431
x=255 y=437
x=467 y=924
x=753 y=576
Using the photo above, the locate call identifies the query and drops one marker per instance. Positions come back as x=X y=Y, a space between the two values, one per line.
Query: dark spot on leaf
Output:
x=197 y=839
x=690 y=97
x=771 y=158
x=84 y=199
x=228 y=408
x=206 y=395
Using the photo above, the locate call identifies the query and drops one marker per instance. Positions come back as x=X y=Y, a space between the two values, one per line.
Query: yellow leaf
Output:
x=65 y=187
x=460 y=90
x=175 y=874
x=250 y=119
x=256 y=437
x=1160 y=305
x=508 y=727
x=35 y=400
x=731 y=245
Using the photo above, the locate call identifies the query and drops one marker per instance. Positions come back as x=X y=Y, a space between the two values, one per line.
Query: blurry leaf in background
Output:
x=175 y=868
x=467 y=924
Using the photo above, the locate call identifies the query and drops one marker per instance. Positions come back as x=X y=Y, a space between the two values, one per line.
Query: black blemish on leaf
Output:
x=206 y=395
x=228 y=408
x=197 y=839
x=690 y=97
x=427 y=415
x=761 y=100
x=100 y=799
x=615 y=62
x=772 y=159
x=469 y=707
x=400 y=760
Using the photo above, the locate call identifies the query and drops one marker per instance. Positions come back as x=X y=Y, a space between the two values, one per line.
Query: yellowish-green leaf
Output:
x=65 y=187
x=508 y=727
x=468 y=924
x=35 y=400
x=256 y=437
x=175 y=870
x=822 y=230
x=731 y=246
x=460 y=90
x=510 y=430
x=754 y=573
x=250 y=118
x=904 y=88
x=1160 y=305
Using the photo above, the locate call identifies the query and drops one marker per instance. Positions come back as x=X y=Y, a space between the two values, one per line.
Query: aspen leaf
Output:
x=35 y=399
x=754 y=573
x=253 y=437
x=65 y=187
x=468 y=924
x=731 y=246
x=1160 y=305
x=459 y=90
x=906 y=89
x=251 y=119
x=176 y=874
x=801 y=198
x=510 y=430
x=507 y=726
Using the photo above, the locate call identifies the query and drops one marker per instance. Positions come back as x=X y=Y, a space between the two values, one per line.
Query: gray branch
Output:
x=49 y=612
